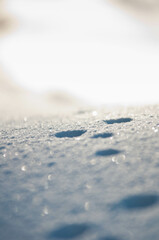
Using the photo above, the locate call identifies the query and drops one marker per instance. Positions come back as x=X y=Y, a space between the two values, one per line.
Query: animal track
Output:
x=107 y=152
x=110 y=238
x=103 y=135
x=70 y=134
x=2 y=147
x=140 y=201
x=51 y=164
x=69 y=231
x=118 y=120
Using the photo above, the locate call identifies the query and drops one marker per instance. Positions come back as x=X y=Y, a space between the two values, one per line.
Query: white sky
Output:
x=86 y=47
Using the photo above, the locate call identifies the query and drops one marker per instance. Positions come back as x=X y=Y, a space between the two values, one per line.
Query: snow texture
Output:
x=87 y=175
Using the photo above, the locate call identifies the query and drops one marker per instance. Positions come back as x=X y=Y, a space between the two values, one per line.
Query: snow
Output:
x=55 y=185
x=67 y=170
x=70 y=45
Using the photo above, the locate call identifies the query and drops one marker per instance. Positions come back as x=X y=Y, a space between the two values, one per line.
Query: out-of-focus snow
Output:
x=147 y=10
x=15 y=101
x=6 y=20
x=89 y=48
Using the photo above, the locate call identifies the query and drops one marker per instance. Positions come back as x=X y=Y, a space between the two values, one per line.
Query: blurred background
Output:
x=99 y=51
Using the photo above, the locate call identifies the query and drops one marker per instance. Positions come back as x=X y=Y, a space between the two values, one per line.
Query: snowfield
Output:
x=87 y=175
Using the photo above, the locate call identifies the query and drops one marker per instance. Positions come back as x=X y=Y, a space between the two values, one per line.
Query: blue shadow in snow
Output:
x=137 y=202
x=107 y=152
x=110 y=238
x=103 y=135
x=70 y=134
x=118 y=120
x=69 y=231
x=51 y=164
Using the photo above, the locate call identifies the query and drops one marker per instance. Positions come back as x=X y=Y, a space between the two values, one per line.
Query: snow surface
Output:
x=87 y=175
